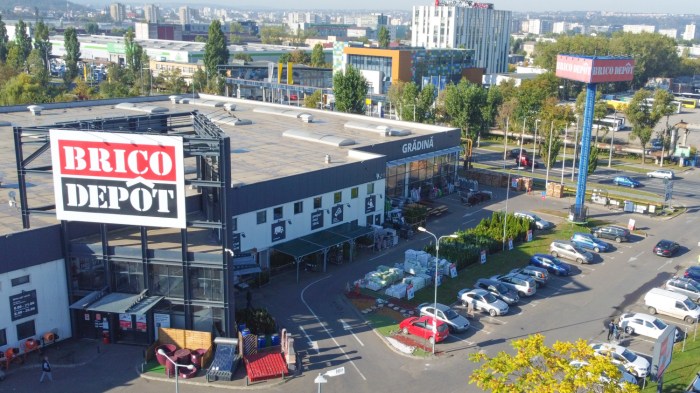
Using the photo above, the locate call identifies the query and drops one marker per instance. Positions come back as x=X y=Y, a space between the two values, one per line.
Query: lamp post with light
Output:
x=437 y=258
x=177 y=365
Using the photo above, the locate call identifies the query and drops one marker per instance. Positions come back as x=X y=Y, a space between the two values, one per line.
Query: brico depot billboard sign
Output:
x=589 y=69
x=117 y=178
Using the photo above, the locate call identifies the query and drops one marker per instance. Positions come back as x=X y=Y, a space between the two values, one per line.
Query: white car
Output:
x=644 y=324
x=625 y=376
x=635 y=364
x=482 y=300
x=539 y=223
x=661 y=174
x=455 y=322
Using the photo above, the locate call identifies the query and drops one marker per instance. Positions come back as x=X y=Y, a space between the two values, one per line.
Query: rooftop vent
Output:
x=325 y=139
x=35 y=109
x=380 y=129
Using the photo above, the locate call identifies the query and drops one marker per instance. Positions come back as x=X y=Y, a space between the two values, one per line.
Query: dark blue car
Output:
x=552 y=264
x=586 y=240
x=626 y=181
x=693 y=272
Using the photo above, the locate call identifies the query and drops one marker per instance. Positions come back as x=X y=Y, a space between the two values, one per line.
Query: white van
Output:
x=671 y=303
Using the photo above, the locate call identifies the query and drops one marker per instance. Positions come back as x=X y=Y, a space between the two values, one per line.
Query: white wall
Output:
x=49 y=281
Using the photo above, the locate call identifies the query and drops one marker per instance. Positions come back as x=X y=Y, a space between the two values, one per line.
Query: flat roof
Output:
x=268 y=141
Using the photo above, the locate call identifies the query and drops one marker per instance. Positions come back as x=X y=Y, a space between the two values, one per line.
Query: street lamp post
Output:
x=437 y=258
x=534 y=146
x=177 y=365
x=505 y=142
x=563 y=160
x=522 y=136
x=549 y=153
x=505 y=216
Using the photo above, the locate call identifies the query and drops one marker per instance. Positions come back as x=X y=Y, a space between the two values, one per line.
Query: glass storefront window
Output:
x=432 y=176
x=127 y=276
x=207 y=283
x=166 y=280
x=206 y=318
x=87 y=274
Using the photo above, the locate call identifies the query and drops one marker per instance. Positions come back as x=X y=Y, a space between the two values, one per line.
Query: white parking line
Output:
x=670 y=261
x=379 y=256
x=312 y=344
x=347 y=327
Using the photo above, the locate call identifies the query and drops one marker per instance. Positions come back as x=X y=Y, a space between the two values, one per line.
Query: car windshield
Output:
x=629 y=355
x=689 y=303
x=659 y=324
x=489 y=298
x=450 y=314
x=536 y=218
x=694 y=284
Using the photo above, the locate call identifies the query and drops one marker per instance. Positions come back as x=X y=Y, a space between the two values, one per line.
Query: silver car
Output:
x=539 y=223
x=455 y=322
x=567 y=250
x=525 y=285
x=481 y=300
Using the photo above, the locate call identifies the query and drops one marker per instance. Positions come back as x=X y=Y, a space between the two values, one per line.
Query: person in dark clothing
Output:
x=45 y=370
x=611 y=329
x=249 y=299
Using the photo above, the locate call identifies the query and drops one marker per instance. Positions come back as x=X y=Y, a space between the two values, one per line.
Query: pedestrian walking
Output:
x=45 y=370
x=249 y=300
x=611 y=329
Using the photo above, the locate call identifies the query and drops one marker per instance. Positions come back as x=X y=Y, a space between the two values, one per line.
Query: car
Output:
x=569 y=251
x=482 y=300
x=515 y=153
x=666 y=248
x=586 y=240
x=626 y=181
x=625 y=377
x=525 y=285
x=540 y=275
x=644 y=324
x=661 y=174
x=423 y=327
x=526 y=161
x=552 y=264
x=455 y=322
x=539 y=223
x=692 y=272
x=695 y=385
x=685 y=286
x=612 y=232
x=498 y=289
x=635 y=364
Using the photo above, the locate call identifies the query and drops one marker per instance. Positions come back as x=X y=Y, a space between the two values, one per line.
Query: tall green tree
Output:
x=70 y=38
x=22 y=39
x=383 y=37
x=425 y=103
x=643 y=117
x=318 y=58
x=350 y=89
x=41 y=42
x=463 y=104
x=130 y=49
x=215 y=50
x=22 y=89
x=554 y=118
x=235 y=31
x=273 y=35
x=494 y=99
x=538 y=368
x=92 y=28
x=4 y=41
x=655 y=55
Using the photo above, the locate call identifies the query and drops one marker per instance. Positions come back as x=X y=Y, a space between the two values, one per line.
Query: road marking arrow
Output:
x=347 y=327
x=634 y=258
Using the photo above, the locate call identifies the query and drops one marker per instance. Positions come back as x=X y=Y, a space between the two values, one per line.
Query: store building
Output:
x=257 y=179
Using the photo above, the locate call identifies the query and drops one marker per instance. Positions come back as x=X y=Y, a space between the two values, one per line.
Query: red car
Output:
x=423 y=327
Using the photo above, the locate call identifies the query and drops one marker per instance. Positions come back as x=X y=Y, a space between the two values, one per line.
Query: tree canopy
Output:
x=383 y=37
x=72 y=45
x=463 y=104
x=644 y=115
x=215 y=50
x=318 y=58
x=350 y=89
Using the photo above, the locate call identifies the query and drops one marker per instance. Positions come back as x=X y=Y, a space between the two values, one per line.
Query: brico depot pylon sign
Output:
x=118 y=178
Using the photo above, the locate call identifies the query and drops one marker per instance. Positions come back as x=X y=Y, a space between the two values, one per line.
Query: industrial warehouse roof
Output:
x=268 y=141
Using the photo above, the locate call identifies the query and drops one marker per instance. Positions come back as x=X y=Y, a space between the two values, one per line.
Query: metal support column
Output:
x=578 y=213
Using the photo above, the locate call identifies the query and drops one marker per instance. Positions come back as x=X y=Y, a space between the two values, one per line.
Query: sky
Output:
x=637 y=6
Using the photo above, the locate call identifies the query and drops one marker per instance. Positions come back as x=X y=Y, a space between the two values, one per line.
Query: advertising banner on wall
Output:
x=118 y=178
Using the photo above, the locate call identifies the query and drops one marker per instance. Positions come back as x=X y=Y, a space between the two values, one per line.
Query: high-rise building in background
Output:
x=691 y=32
x=539 y=26
x=637 y=29
x=151 y=13
x=465 y=24
x=117 y=11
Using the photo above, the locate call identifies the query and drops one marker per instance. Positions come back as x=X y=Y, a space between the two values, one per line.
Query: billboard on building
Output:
x=118 y=178
x=590 y=69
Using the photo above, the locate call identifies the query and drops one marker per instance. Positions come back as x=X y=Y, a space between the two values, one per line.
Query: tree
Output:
x=4 y=41
x=235 y=31
x=554 y=118
x=299 y=56
x=463 y=103
x=593 y=159
x=284 y=58
x=83 y=91
x=532 y=94
x=22 y=89
x=494 y=100
x=130 y=49
x=37 y=68
x=173 y=82
x=318 y=58
x=215 y=50
x=272 y=34
x=199 y=80
x=350 y=89
x=425 y=103
x=41 y=42
x=654 y=55
x=243 y=56
x=643 y=117
x=383 y=37
x=535 y=367
x=92 y=28
x=22 y=39
x=313 y=100
x=70 y=38
x=114 y=86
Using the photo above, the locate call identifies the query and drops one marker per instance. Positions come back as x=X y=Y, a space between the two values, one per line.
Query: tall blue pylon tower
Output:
x=590 y=70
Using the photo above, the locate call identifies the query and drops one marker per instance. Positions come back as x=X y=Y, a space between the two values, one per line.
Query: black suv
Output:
x=618 y=234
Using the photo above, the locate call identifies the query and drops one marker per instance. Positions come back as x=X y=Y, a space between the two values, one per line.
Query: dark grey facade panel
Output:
x=22 y=249
x=293 y=188
x=416 y=146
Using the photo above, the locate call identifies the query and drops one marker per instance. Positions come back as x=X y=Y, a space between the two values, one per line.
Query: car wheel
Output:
x=492 y=313
x=652 y=310
x=631 y=185
x=618 y=239
x=689 y=319
x=596 y=249
x=555 y=254
x=580 y=261
x=629 y=330
x=405 y=330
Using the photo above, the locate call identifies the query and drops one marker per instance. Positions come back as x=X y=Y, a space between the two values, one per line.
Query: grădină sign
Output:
x=118 y=178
